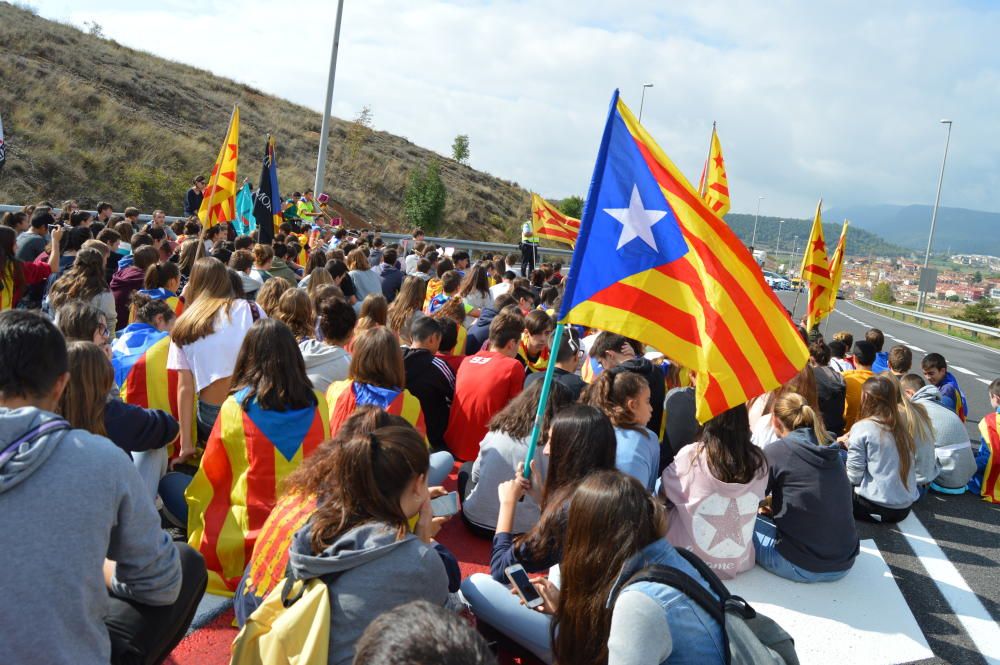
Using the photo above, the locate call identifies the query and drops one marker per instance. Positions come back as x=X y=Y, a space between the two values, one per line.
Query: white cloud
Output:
x=839 y=100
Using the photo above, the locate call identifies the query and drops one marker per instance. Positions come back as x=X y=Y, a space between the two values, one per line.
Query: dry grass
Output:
x=90 y=119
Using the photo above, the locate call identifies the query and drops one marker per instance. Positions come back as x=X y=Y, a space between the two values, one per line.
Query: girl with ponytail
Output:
x=359 y=539
x=880 y=455
x=810 y=535
x=918 y=424
x=162 y=282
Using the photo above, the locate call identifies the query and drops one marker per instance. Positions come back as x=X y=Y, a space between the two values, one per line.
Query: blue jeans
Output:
x=496 y=605
x=765 y=539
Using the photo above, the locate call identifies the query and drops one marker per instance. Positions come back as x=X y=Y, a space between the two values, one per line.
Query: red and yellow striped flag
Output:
x=342 y=396
x=548 y=222
x=836 y=273
x=816 y=271
x=249 y=453
x=653 y=262
x=714 y=185
x=219 y=202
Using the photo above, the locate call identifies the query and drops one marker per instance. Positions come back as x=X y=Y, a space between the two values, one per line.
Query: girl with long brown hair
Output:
x=269 y=423
x=810 y=535
x=135 y=430
x=581 y=441
x=202 y=347
x=17 y=275
x=361 y=530
x=614 y=530
x=269 y=294
x=295 y=311
x=408 y=301
x=880 y=455
x=475 y=291
x=85 y=281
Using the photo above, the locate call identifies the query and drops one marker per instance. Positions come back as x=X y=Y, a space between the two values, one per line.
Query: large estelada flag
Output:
x=548 y=222
x=267 y=199
x=816 y=271
x=345 y=396
x=219 y=198
x=655 y=263
x=139 y=357
x=836 y=273
x=248 y=455
x=714 y=185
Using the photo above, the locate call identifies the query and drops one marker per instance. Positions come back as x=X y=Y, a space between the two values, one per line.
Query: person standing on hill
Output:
x=194 y=196
x=529 y=248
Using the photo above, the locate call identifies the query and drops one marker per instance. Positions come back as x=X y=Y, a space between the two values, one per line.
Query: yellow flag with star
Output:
x=219 y=199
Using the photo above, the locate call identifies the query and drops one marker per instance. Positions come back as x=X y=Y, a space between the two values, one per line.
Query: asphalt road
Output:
x=958 y=565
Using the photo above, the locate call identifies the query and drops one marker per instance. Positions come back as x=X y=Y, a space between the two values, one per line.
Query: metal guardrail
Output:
x=458 y=243
x=901 y=313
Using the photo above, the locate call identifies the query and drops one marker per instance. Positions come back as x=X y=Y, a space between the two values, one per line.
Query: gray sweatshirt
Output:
x=873 y=467
x=951 y=440
x=499 y=455
x=68 y=501
x=371 y=572
x=325 y=363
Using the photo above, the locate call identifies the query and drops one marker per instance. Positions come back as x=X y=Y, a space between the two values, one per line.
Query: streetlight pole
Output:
x=922 y=298
x=324 y=132
x=643 y=99
x=753 y=242
x=777 y=245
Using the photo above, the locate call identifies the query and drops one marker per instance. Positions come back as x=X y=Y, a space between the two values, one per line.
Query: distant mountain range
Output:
x=963 y=231
x=795 y=232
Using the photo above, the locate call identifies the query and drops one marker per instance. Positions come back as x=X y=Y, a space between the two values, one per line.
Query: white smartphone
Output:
x=525 y=589
x=446 y=505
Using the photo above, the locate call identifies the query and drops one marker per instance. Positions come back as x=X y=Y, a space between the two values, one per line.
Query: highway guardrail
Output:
x=903 y=313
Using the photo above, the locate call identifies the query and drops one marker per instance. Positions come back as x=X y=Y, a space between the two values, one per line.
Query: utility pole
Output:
x=643 y=99
x=324 y=132
x=922 y=297
x=753 y=241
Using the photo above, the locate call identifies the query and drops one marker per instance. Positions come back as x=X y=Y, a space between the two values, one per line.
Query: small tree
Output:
x=359 y=130
x=977 y=277
x=980 y=312
x=883 y=293
x=424 y=200
x=460 y=148
x=572 y=206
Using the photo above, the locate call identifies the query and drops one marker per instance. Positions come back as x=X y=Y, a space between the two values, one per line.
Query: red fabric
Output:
x=454 y=362
x=485 y=384
x=35 y=272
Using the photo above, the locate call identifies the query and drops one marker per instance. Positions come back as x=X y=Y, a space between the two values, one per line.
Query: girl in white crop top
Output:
x=204 y=344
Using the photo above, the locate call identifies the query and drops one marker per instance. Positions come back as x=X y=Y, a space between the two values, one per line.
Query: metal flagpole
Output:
x=324 y=136
x=550 y=370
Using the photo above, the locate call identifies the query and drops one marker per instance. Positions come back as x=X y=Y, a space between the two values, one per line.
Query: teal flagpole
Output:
x=550 y=370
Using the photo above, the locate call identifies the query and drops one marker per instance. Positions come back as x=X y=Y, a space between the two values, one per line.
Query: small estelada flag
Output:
x=548 y=222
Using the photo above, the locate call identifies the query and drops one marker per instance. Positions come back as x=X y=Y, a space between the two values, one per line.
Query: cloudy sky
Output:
x=833 y=99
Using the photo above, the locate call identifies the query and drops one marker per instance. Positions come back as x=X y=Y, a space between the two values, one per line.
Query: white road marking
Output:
x=982 y=629
x=963 y=370
x=986 y=381
x=916 y=348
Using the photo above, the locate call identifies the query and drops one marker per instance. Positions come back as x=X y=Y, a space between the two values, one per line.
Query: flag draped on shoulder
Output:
x=816 y=271
x=219 y=202
x=249 y=453
x=714 y=185
x=548 y=222
x=267 y=199
x=653 y=262
x=836 y=273
x=345 y=396
x=139 y=358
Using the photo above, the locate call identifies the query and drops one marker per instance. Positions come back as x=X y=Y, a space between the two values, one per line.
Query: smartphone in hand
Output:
x=525 y=589
x=445 y=506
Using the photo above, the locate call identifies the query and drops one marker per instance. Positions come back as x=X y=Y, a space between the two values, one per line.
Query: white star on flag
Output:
x=636 y=221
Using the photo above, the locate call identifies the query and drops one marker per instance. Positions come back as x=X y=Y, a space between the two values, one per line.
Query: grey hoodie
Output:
x=873 y=467
x=68 y=501
x=951 y=440
x=370 y=572
x=325 y=363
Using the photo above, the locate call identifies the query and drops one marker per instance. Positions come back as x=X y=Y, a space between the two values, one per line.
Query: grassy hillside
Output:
x=90 y=119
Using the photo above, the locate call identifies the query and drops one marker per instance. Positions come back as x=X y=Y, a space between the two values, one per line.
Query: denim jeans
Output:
x=493 y=603
x=765 y=539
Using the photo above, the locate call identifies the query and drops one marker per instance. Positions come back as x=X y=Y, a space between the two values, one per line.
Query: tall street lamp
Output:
x=324 y=135
x=753 y=241
x=643 y=99
x=922 y=298
x=777 y=245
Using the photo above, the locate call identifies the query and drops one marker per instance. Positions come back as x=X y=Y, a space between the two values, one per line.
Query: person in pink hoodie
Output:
x=714 y=487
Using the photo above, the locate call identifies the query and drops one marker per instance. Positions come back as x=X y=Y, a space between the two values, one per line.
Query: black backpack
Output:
x=750 y=638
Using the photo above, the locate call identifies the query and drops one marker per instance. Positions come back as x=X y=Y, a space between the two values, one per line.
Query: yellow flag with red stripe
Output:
x=219 y=198
x=547 y=221
x=836 y=272
x=714 y=185
x=816 y=271
x=248 y=455
x=343 y=398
